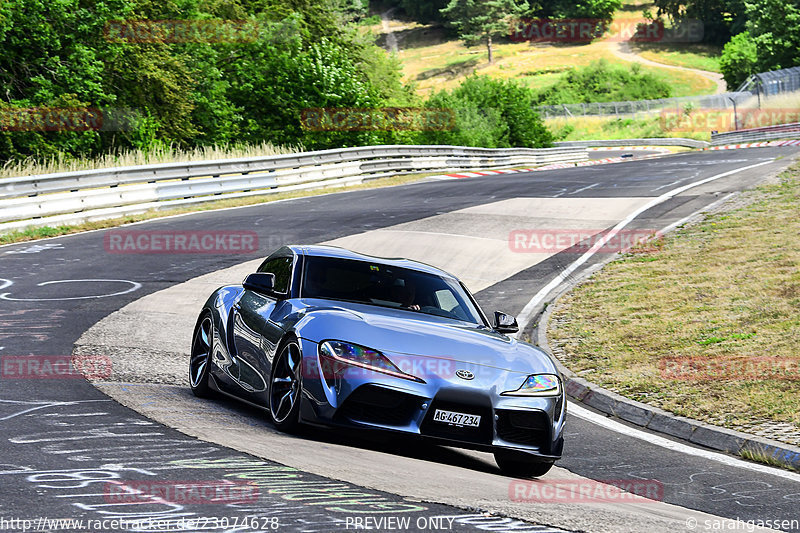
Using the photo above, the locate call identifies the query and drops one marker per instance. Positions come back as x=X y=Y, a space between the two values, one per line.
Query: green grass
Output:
x=698 y=56
x=722 y=292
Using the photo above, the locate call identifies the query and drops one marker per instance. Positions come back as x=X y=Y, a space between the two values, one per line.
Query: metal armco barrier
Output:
x=768 y=133
x=689 y=143
x=75 y=197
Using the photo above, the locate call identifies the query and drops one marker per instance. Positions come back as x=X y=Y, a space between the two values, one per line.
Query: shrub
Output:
x=491 y=113
x=602 y=82
x=738 y=61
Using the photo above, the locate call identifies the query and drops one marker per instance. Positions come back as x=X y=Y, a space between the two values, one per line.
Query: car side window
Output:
x=281 y=267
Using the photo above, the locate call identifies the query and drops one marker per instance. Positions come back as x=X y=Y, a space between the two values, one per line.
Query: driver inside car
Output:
x=404 y=292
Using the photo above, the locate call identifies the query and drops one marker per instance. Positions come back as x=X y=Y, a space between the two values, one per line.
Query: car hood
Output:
x=397 y=332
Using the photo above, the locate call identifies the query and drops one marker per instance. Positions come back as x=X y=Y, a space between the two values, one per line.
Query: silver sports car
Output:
x=326 y=336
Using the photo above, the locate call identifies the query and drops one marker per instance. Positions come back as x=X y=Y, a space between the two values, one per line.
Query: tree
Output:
x=572 y=9
x=775 y=28
x=721 y=18
x=424 y=11
x=739 y=59
x=478 y=21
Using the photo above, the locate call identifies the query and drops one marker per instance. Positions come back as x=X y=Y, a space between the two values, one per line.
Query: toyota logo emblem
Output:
x=465 y=374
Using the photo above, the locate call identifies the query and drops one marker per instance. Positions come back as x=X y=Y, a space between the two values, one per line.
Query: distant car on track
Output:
x=323 y=335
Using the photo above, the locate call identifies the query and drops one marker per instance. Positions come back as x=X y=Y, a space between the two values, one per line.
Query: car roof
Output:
x=321 y=250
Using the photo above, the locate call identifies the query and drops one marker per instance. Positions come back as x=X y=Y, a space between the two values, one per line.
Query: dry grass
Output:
x=435 y=61
x=445 y=64
x=724 y=289
x=593 y=128
x=781 y=109
x=124 y=158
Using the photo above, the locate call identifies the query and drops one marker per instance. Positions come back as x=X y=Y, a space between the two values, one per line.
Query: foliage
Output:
x=201 y=92
x=491 y=113
x=738 y=61
x=195 y=92
x=604 y=82
x=720 y=18
x=581 y=9
x=424 y=11
x=775 y=28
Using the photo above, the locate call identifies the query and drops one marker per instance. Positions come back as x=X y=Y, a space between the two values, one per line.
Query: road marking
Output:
x=36 y=248
x=652 y=438
x=526 y=314
x=585 y=188
x=134 y=286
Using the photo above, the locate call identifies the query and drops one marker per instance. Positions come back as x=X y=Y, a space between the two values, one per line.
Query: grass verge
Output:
x=697 y=56
x=707 y=326
x=32 y=234
x=591 y=128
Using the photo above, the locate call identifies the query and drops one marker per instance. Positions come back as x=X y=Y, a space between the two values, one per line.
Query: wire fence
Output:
x=751 y=93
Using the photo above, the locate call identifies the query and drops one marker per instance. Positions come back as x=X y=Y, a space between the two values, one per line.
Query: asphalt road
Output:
x=62 y=439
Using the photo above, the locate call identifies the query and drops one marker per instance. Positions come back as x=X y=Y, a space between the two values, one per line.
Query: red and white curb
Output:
x=554 y=166
x=659 y=149
x=755 y=145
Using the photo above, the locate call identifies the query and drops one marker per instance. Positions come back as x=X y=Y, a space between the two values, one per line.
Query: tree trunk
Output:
x=489 y=47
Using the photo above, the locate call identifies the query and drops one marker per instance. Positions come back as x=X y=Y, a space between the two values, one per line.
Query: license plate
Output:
x=457 y=419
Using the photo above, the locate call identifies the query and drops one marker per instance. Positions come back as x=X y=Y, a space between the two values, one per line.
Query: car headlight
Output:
x=355 y=355
x=538 y=385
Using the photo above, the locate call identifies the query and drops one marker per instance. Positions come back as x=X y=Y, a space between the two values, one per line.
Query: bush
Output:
x=602 y=82
x=491 y=113
x=739 y=59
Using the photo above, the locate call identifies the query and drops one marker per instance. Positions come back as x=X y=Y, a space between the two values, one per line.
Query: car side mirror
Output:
x=504 y=323
x=260 y=282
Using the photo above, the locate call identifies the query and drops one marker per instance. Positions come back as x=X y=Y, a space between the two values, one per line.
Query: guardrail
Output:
x=665 y=141
x=75 y=197
x=767 y=133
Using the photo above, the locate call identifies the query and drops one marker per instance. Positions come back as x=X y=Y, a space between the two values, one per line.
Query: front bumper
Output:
x=355 y=397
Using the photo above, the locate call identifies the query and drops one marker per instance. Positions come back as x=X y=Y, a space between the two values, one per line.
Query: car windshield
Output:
x=387 y=286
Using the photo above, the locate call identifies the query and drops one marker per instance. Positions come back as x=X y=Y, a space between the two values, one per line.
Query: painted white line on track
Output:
x=526 y=314
x=134 y=287
x=585 y=188
x=652 y=438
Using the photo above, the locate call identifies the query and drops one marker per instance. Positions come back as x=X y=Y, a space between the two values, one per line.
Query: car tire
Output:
x=200 y=356
x=286 y=386
x=521 y=465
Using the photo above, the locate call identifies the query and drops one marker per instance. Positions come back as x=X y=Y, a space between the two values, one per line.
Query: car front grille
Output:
x=376 y=405
x=531 y=428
